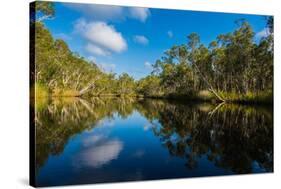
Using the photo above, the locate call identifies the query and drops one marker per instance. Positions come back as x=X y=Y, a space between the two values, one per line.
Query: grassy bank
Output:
x=40 y=90
x=207 y=96
x=203 y=95
x=265 y=97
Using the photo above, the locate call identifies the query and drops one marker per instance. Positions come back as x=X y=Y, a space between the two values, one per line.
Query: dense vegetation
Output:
x=63 y=73
x=60 y=72
x=234 y=67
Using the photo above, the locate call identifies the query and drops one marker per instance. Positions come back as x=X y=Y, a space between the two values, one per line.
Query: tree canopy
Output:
x=234 y=66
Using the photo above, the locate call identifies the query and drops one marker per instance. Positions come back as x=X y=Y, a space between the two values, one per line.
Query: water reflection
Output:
x=231 y=136
x=57 y=120
x=98 y=151
x=91 y=139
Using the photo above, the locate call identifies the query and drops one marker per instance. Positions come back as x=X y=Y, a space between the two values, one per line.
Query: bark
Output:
x=86 y=89
x=78 y=81
x=209 y=85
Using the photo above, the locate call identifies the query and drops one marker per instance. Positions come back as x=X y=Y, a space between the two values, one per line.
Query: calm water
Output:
x=115 y=139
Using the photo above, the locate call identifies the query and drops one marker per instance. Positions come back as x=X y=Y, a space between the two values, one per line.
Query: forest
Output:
x=235 y=67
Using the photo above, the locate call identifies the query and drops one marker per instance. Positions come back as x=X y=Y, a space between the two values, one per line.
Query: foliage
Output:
x=63 y=71
x=234 y=67
x=232 y=64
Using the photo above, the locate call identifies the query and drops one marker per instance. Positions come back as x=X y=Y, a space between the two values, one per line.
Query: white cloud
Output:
x=141 y=39
x=98 y=12
x=102 y=38
x=139 y=13
x=91 y=48
x=263 y=33
x=110 y=12
x=170 y=34
x=148 y=65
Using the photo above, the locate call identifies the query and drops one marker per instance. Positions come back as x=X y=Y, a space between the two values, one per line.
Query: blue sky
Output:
x=129 y=39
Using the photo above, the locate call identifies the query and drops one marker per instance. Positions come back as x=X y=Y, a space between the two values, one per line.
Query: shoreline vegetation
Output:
x=234 y=68
x=263 y=98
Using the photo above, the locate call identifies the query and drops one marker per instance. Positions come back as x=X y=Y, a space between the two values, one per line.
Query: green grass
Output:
x=65 y=93
x=40 y=90
x=265 y=97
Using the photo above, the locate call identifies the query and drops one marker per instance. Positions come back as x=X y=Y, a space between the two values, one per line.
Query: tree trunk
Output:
x=210 y=86
x=86 y=89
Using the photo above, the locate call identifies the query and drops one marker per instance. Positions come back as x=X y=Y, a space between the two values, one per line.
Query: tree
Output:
x=149 y=86
x=126 y=84
x=46 y=9
x=193 y=43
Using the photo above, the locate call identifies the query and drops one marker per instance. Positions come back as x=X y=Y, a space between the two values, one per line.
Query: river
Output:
x=80 y=141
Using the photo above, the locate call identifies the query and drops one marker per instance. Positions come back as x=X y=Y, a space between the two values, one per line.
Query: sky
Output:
x=130 y=39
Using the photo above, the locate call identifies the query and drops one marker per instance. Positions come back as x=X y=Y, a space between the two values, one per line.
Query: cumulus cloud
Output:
x=91 y=48
x=103 y=39
x=139 y=13
x=98 y=12
x=110 y=12
x=141 y=39
x=263 y=33
x=170 y=34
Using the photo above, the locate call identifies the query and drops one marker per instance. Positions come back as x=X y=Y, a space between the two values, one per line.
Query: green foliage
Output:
x=125 y=85
x=233 y=68
x=264 y=97
x=46 y=8
x=40 y=90
x=149 y=86
x=64 y=73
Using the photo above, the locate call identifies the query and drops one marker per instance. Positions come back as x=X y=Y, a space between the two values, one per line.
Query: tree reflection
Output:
x=234 y=137
x=58 y=119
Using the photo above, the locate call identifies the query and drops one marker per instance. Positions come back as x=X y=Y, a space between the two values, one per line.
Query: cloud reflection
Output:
x=99 y=151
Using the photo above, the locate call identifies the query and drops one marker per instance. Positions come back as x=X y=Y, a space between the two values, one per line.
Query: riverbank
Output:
x=265 y=97
x=207 y=96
